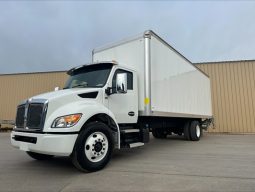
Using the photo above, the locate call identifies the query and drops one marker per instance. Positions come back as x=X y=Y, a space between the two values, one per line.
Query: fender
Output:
x=88 y=108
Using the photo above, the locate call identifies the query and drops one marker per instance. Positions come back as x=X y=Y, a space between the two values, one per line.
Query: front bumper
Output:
x=51 y=144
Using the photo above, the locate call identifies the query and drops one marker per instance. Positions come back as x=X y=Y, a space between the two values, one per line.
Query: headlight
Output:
x=66 y=121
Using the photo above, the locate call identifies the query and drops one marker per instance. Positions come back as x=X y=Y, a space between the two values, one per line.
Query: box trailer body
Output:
x=145 y=86
x=169 y=84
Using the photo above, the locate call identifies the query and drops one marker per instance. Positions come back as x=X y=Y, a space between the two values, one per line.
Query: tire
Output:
x=39 y=156
x=93 y=147
x=186 y=131
x=195 y=131
x=159 y=133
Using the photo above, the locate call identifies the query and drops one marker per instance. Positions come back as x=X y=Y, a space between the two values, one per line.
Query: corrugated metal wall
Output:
x=17 y=87
x=233 y=94
x=232 y=83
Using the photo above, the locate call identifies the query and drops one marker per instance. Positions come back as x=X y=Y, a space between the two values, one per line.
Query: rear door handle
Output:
x=131 y=113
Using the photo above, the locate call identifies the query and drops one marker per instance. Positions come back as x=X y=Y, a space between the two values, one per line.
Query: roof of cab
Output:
x=71 y=71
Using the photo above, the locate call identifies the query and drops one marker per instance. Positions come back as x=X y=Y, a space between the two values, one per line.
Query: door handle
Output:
x=131 y=113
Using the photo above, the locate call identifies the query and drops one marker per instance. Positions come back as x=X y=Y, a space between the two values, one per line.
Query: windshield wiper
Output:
x=79 y=85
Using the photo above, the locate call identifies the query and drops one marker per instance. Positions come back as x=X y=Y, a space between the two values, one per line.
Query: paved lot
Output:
x=215 y=163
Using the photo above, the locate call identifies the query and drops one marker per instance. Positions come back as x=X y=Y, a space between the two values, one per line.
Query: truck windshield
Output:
x=89 y=76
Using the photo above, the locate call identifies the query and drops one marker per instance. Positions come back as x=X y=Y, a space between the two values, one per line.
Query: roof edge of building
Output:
x=229 y=61
x=36 y=72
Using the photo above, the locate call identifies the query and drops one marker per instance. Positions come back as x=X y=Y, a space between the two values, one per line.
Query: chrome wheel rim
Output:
x=198 y=131
x=96 y=147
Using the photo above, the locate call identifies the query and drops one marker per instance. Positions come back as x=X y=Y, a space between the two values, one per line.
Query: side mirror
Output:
x=121 y=83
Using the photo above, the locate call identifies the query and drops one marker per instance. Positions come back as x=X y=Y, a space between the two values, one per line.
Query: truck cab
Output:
x=100 y=97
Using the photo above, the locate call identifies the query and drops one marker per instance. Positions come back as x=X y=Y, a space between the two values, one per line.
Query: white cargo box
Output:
x=169 y=84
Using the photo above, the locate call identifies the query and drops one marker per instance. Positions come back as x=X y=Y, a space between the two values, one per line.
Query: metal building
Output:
x=233 y=94
x=232 y=84
x=16 y=87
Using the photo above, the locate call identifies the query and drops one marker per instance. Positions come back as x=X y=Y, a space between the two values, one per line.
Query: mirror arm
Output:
x=108 y=91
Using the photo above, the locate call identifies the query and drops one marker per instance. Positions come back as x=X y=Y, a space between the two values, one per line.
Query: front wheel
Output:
x=39 y=156
x=93 y=148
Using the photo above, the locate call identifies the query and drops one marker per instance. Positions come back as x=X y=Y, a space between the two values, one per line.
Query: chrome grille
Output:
x=34 y=115
x=31 y=115
x=20 y=116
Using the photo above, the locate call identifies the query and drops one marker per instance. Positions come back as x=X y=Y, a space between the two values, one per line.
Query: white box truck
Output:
x=133 y=87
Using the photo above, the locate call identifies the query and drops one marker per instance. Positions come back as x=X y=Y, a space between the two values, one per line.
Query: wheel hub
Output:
x=198 y=131
x=96 y=146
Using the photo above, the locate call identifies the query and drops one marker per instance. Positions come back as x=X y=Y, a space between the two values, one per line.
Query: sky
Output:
x=37 y=36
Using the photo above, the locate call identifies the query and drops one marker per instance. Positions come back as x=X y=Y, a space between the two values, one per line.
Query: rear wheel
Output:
x=93 y=148
x=195 y=131
x=186 y=131
x=159 y=133
x=39 y=156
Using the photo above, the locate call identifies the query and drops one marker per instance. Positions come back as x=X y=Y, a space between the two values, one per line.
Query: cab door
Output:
x=124 y=105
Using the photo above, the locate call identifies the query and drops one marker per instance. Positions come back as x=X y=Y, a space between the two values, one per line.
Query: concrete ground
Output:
x=215 y=163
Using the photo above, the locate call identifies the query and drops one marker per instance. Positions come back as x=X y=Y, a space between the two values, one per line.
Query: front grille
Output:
x=20 y=116
x=31 y=116
x=34 y=115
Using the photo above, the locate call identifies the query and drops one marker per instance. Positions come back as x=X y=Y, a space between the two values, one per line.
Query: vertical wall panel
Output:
x=245 y=98
x=248 y=97
x=239 y=93
x=227 y=116
x=253 y=92
x=218 y=97
x=233 y=93
x=238 y=98
x=230 y=109
x=214 y=94
x=221 y=86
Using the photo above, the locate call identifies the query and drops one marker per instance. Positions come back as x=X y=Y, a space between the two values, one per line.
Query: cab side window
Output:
x=129 y=79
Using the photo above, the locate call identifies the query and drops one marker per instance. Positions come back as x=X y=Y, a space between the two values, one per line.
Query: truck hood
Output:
x=64 y=93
